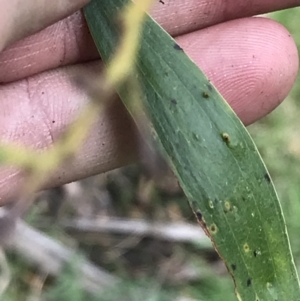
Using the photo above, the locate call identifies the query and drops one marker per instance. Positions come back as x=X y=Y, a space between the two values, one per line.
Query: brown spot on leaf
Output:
x=246 y=248
x=213 y=229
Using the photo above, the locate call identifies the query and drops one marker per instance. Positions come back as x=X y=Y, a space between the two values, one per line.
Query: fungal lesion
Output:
x=213 y=229
x=227 y=206
x=199 y=216
x=267 y=177
x=249 y=282
x=177 y=47
x=202 y=222
x=256 y=253
x=246 y=248
x=205 y=95
x=226 y=138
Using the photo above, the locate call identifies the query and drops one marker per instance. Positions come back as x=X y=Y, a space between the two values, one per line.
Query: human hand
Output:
x=252 y=61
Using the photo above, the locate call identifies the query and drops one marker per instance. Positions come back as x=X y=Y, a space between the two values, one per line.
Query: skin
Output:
x=43 y=44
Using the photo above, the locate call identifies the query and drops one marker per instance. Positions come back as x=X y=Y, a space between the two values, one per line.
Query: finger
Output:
x=248 y=57
x=189 y=15
x=254 y=71
x=69 y=41
x=66 y=42
x=21 y=18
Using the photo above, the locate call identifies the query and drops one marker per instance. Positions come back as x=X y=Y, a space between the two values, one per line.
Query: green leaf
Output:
x=213 y=156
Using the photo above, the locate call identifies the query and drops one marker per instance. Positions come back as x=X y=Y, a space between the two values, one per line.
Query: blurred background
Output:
x=119 y=236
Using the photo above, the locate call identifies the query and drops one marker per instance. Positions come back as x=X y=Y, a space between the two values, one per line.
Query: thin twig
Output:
x=175 y=232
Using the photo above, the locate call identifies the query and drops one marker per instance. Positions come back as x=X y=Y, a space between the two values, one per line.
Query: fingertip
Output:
x=253 y=62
